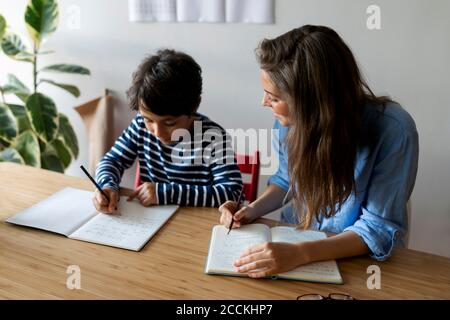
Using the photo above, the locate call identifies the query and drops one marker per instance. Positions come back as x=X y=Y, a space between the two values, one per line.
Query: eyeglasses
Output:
x=331 y=296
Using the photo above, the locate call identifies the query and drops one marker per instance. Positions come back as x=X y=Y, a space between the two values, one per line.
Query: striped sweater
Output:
x=200 y=172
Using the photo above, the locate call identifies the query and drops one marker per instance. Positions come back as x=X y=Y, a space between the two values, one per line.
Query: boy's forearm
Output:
x=193 y=195
x=106 y=178
x=346 y=244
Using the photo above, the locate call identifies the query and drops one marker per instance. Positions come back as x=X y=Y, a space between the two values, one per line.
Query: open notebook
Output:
x=225 y=249
x=70 y=212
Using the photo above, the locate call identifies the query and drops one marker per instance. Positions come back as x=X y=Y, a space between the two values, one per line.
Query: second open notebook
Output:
x=70 y=212
x=225 y=249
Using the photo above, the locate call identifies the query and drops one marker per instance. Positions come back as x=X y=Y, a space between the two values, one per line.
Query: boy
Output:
x=166 y=92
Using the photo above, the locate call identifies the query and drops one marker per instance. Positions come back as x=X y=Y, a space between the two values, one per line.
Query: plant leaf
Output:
x=4 y=144
x=41 y=17
x=21 y=115
x=66 y=68
x=43 y=116
x=15 y=86
x=68 y=135
x=28 y=146
x=2 y=26
x=62 y=151
x=68 y=87
x=14 y=48
x=11 y=155
x=8 y=123
x=17 y=110
x=50 y=159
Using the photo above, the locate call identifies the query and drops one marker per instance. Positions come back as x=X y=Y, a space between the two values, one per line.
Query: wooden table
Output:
x=33 y=263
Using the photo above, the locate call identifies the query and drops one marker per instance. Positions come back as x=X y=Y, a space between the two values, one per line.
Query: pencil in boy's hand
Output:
x=95 y=183
x=237 y=209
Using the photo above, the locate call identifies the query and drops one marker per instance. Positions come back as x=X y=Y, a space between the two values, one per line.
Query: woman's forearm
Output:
x=270 y=200
x=346 y=244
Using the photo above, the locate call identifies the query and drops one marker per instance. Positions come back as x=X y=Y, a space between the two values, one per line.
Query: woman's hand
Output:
x=271 y=258
x=145 y=193
x=244 y=215
x=102 y=204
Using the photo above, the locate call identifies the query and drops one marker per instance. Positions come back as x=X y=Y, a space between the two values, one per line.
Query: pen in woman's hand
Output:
x=237 y=209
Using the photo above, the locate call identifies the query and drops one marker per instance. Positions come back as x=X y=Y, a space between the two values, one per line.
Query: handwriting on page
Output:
x=227 y=248
x=232 y=249
x=119 y=228
x=130 y=230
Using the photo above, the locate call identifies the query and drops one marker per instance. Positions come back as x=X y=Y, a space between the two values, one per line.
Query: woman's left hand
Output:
x=145 y=193
x=271 y=258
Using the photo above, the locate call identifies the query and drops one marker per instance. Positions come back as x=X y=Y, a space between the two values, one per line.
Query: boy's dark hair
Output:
x=168 y=83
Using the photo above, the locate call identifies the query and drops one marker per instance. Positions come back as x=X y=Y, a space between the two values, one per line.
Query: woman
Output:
x=348 y=159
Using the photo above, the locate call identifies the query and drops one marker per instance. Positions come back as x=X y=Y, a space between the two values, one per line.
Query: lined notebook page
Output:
x=130 y=230
x=326 y=271
x=225 y=249
x=62 y=212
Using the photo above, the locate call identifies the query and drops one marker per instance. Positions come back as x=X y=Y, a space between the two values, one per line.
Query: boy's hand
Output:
x=102 y=204
x=145 y=193
x=244 y=215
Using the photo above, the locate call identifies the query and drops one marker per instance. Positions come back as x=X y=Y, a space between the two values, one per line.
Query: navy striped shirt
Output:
x=201 y=171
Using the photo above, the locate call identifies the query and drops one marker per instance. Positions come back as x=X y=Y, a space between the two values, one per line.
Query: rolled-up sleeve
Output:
x=281 y=176
x=384 y=220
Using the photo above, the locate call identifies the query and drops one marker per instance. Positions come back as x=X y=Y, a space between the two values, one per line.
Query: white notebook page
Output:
x=324 y=270
x=131 y=229
x=63 y=212
x=225 y=249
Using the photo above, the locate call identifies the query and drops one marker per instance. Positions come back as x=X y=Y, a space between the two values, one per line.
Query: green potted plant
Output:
x=33 y=132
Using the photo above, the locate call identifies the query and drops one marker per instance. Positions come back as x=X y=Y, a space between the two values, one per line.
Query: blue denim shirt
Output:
x=385 y=174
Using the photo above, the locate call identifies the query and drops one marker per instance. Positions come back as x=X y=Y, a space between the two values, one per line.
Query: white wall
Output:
x=408 y=58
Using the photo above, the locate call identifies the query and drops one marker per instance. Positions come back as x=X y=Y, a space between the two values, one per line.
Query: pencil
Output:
x=95 y=183
x=237 y=209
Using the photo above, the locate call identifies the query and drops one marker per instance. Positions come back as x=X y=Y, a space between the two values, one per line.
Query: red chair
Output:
x=247 y=165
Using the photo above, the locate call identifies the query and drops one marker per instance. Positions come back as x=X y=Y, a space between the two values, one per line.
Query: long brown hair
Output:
x=326 y=93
